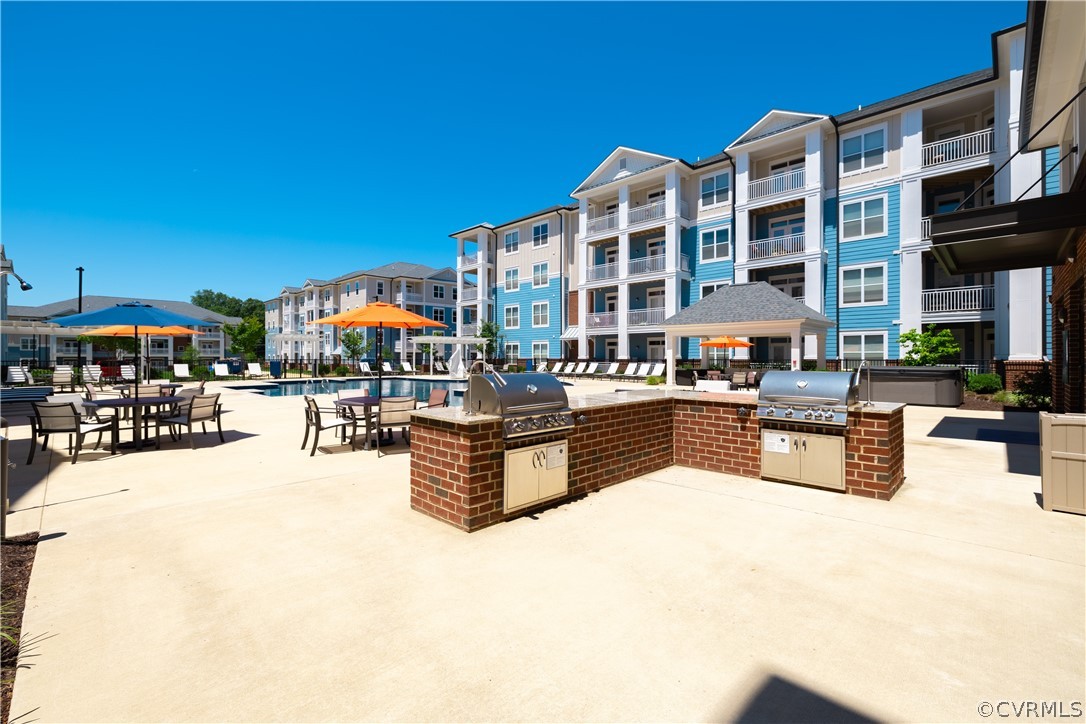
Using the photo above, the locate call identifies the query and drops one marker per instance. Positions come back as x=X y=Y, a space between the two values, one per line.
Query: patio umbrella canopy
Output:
x=725 y=342
x=136 y=314
x=379 y=315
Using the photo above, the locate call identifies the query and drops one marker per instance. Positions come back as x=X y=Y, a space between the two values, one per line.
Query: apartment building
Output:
x=289 y=317
x=832 y=210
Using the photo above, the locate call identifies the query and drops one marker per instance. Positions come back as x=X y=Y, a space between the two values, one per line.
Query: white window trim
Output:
x=546 y=304
x=546 y=277
x=433 y=292
x=841 y=285
x=546 y=238
x=512 y=346
x=718 y=204
x=506 y=281
x=715 y=229
x=435 y=314
x=885 y=150
x=543 y=343
x=714 y=285
x=505 y=246
x=862 y=333
x=505 y=315
x=860 y=200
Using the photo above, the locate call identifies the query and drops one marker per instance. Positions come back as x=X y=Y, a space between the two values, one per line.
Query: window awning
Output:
x=572 y=332
x=1020 y=235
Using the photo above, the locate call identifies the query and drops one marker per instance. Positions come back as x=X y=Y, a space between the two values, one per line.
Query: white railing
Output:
x=470 y=295
x=684 y=209
x=469 y=260
x=602 y=320
x=603 y=223
x=601 y=271
x=959 y=147
x=778 y=184
x=470 y=330
x=925 y=227
x=801 y=300
x=777 y=246
x=647 y=265
x=642 y=317
x=684 y=262
x=648 y=212
x=959 y=299
x=409 y=297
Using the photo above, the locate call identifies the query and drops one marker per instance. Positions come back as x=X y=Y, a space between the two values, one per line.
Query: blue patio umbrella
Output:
x=134 y=313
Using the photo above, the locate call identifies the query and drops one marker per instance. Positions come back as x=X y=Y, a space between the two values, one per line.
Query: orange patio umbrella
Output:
x=129 y=330
x=379 y=315
x=725 y=342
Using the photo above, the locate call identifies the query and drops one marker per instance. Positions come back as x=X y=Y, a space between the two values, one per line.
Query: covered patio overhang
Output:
x=1021 y=235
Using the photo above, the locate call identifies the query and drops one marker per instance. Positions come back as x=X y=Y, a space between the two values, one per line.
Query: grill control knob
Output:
x=534 y=423
x=808 y=415
x=770 y=412
x=789 y=412
x=518 y=426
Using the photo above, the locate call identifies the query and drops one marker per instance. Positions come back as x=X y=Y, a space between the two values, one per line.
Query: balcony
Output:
x=602 y=320
x=470 y=330
x=645 y=317
x=468 y=260
x=648 y=265
x=601 y=272
x=470 y=295
x=648 y=212
x=958 y=299
x=603 y=223
x=408 y=298
x=959 y=148
x=925 y=228
x=777 y=184
x=777 y=246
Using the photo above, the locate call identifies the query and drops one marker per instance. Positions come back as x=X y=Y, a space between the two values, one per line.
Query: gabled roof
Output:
x=92 y=303
x=314 y=283
x=290 y=290
x=448 y=274
x=739 y=303
x=484 y=225
x=402 y=269
x=600 y=177
x=920 y=94
x=774 y=122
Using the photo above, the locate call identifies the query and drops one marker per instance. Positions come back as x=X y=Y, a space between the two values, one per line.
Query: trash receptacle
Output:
x=1063 y=462
x=275 y=367
x=234 y=365
x=529 y=365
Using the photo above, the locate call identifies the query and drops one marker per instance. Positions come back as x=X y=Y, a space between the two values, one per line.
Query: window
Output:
x=540 y=234
x=512 y=241
x=715 y=244
x=707 y=289
x=512 y=351
x=863 y=151
x=716 y=190
x=512 y=317
x=541 y=275
x=453 y=316
x=541 y=314
x=380 y=289
x=863 y=219
x=541 y=351
x=456 y=293
x=28 y=344
x=438 y=315
x=863 y=285
x=864 y=345
x=512 y=280
x=439 y=291
x=347 y=289
x=327 y=295
x=622 y=164
x=356 y=287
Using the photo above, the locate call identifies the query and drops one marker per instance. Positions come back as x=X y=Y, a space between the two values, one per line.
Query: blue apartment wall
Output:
x=703 y=273
x=1052 y=178
x=527 y=334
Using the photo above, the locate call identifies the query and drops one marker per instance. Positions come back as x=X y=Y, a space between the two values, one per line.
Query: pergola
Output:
x=757 y=309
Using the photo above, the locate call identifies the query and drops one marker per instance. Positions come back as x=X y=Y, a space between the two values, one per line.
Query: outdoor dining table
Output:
x=367 y=403
x=124 y=389
x=137 y=407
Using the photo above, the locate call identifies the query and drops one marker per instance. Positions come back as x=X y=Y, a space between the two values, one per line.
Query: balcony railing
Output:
x=777 y=246
x=959 y=148
x=778 y=184
x=959 y=299
x=470 y=295
x=470 y=330
x=643 y=317
x=648 y=212
x=684 y=262
x=601 y=271
x=647 y=265
x=469 y=260
x=602 y=320
x=603 y=223
x=409 y=297
x=925 y=227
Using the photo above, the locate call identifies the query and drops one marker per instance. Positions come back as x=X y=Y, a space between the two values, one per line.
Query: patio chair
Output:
x=181 y=371
x=580 y=369
x=18 y=375
x=326 y=418
x=51 y=418
x=221 y=369
x=407 y=369
x=643 y=370
x=568 y=370
x=659 y=369
x=387 y=368
x=364 y=369
x=738 y=380
x=255 y=372
x=200 y=409
x=541 y=367
x=752 y=380
x=128 y=373
x=591 y=371
x=93 y=374
x=63 y=377
x=438 y=398
x=395 y=412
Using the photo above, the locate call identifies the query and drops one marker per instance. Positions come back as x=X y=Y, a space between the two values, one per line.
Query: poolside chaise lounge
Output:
x=387 y=368
x=610 y=372
x=630 y=371
x=364 y=369
x=128 y=373
x=591 y=370
x=255 y=372
x=643 y=370
x=18 y=375
x=658 y=369
x=181 y=371
x=221 y=370
x=407 y=368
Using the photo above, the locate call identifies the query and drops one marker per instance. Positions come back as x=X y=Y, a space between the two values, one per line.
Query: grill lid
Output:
x=799 y=388
x=524 y=393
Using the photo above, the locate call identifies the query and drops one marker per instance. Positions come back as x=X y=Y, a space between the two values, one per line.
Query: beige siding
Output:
x=892 y=169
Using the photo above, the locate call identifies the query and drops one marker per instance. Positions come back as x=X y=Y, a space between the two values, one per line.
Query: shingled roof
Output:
x=93 y=303
x=739 y=303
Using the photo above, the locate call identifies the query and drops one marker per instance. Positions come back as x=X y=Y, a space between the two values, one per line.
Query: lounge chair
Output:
x=181 y=371
x=221 y=369
x=92 y=374
x=53 y=418
x=541 y=367
x=315 y=421
x=630 y=371
x=364 y=369
x=580 y=369
x=255 y=372
x=407 y=369
x=643 y=370
x=591 y=371
x=387 y=368
x=659 y=369
x=395 y=412
x=199 y=409
x=128 y=373
x=610 y=372
x=18 y=376
x=568 y=369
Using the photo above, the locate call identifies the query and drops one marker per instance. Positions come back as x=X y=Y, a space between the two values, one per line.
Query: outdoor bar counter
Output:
x=457 y=460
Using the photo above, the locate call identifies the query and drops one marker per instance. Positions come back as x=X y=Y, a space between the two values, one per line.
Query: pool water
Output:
x=389 y=388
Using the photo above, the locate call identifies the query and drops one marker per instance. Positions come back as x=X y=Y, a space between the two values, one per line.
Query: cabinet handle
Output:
x=795 y=443
x=805 y=444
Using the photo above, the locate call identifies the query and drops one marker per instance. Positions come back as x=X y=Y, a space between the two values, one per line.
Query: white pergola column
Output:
x=797 y=349
x=671 y=343
x=820 y=344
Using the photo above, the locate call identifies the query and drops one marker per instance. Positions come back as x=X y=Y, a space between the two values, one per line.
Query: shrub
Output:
x=653 y=380
x=41 y=375
x=201 y=372
x=984 y=383
x=1034 y=389
x=929 y=347
x=324 y=370
x=343 y=371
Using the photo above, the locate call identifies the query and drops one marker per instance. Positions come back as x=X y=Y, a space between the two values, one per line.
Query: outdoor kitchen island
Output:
x=458 y=460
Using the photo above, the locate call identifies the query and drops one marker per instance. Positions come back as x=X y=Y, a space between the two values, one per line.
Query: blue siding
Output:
x=1052 y=178
x=526 y=334
x=704 y=273
x=868 y=251
x=1048 y=312
x=829 y=243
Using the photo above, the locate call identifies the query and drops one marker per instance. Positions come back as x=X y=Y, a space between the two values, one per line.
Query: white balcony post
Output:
x=582 y=218
x=742 y=180
x=911 y=210
x=671 y=297
x=812 y=222
x=742 y=238
x=812 y=161
x=912 y=283
x=671 y=247
x=671 y=196
x=912 y=140
x=623 y=320
x=582 y=317
x=623 y=255
x=582 y=271
x=623 y=206
x=797 y=350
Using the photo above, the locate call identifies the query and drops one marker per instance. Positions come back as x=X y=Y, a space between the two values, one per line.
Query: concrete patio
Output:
x=247 y=581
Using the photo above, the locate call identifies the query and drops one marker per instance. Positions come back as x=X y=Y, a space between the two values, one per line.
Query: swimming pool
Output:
x=389 y=388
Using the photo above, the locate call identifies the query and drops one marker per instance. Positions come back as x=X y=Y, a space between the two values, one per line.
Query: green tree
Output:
x=489 y=331
x=227 y=305
x=246 y=338
x=930 y=347
x=355 y=344
x=113 y=344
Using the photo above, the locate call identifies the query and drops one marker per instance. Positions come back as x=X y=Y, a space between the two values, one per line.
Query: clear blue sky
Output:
x=240 y=147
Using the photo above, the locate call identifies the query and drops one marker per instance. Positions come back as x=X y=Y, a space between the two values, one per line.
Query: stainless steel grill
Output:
x=530 y=403
x=807 y=397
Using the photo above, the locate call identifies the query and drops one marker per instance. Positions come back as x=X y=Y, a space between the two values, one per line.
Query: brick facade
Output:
x=1069 y=300
x=457 y=467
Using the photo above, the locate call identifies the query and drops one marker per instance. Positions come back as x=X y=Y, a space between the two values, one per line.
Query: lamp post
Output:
x=78 y=344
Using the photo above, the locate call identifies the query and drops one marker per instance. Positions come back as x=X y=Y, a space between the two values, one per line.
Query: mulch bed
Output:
x=973 y=401
x=17 y=554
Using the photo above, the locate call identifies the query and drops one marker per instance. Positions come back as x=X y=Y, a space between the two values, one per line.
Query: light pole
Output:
x=78 y=344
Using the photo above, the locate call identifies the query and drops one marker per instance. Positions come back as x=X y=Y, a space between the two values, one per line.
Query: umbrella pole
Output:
x=380 y=367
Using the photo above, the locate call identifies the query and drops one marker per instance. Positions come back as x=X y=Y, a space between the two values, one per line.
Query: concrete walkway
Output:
x=250 y=582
